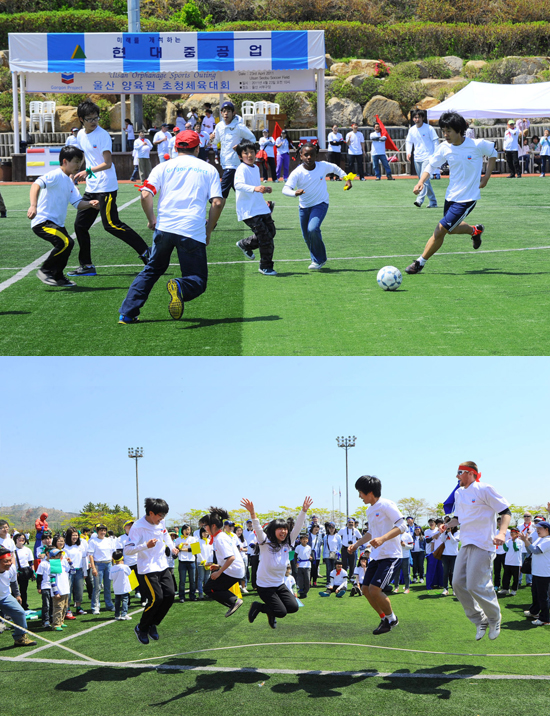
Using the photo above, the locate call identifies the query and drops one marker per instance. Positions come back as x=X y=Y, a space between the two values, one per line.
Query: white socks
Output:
x=422 y=261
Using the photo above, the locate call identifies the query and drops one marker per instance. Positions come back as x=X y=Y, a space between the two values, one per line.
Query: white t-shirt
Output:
x=289 y=582
x=476 y=508
x=511 y=137
x=359 y=575
x=383 y=516
x=76 y=553
x=184 y=185
x=355 y=141
x=272 y=565
x=60 y=582
x=349 y=535
x=283 y=145
x=225 y=547
x=149 y=559
x=334 y=137
x=142 y=148
x=7 y=543
x=57 y=191
x=204 y=138
x=338 y=579
x=180 y=123
x=303 y=555
x=172 y=151
x=120 y=574
x=541 y=562
x=406 y=544
x=424 y=141
x=130 y=132
x=6 y=578
x=451 y=543
x=250 y=537
x=465 y=164
x=93 y=145
x=208 y=124
x=249 y=202
x=24 y=555
x=71 y=141
x=312 y=182
x=186 y=556
x=101 y=549
x=162 y=148
x=44 y=571
x=378 y=146
x=513 y=556
x=121 y=542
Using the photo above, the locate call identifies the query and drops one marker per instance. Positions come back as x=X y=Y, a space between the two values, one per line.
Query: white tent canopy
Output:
x=483 y=99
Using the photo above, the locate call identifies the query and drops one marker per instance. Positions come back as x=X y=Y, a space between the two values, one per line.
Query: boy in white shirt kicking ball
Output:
x=253 y=210
x=465 y=159
x=50 y=196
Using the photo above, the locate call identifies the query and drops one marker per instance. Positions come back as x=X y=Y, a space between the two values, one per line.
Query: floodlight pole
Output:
x=134 y=25
x=346 y=443
x=135 y=455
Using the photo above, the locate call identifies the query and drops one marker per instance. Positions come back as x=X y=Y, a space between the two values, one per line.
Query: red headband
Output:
x=5 y=556
x=468 y=468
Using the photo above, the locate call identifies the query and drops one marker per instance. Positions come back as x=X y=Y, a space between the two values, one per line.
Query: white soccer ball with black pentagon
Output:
x=389 y=278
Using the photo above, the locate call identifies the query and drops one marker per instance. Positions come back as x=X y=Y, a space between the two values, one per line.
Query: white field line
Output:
x=338 y=258
x=289 y=672
x=36 y=263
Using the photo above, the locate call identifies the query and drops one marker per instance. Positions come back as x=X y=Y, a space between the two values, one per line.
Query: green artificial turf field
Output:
x=491 y=302
x=279 y=670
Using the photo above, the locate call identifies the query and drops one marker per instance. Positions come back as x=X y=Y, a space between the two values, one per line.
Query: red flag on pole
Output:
x=390 y=144
x=277 y=131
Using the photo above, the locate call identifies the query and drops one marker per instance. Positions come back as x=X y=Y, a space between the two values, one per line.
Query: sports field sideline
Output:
x=494 y=301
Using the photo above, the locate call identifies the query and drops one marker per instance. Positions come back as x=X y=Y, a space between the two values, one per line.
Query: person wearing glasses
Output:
x=477 y=505
x=101 y=185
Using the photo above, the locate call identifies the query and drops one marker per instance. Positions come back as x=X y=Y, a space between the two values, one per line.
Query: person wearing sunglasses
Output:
x=477 y=505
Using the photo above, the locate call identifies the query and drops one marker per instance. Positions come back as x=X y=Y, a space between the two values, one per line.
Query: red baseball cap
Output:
x=187 y=138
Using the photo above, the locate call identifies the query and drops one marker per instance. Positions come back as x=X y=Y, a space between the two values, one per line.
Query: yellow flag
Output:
x=133 y=580
x=195 y=548
x=236 y=589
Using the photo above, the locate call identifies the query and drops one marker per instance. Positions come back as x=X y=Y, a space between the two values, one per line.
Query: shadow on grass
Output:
x=86 y=289
x=79 y=684
x=432 y=684
x=216 y=681
x=497 y=272
x=320 y=687
x=14 y=313
x=207 y=322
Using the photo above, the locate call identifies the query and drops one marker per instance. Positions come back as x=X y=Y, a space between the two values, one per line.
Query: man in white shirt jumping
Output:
x=465 y=159
x=477 y=505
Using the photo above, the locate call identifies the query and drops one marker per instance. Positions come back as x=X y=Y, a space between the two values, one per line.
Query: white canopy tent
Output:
x=485 y=100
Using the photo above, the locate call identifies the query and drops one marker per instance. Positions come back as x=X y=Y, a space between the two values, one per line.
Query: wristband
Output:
x=89 y=172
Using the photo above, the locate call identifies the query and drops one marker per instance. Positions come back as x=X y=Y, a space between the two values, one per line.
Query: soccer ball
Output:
x=389 y=278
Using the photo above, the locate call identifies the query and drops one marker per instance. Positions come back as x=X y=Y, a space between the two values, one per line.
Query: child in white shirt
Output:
x=60 y=586
x=120 y=578
x=358 y=576
x=512 y=563
x=338 y=581
x=303 y=556
x=290 y=582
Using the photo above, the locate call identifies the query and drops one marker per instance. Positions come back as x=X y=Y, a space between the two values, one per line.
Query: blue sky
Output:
x=216 y=429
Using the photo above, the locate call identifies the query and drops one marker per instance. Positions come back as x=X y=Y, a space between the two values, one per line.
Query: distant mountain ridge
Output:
x=23 y=516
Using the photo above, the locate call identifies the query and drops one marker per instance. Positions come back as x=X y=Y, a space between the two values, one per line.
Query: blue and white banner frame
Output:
x=175 y=52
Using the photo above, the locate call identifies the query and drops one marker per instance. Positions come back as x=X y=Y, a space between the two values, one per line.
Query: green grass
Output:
x=427 y=623
x=467 y=304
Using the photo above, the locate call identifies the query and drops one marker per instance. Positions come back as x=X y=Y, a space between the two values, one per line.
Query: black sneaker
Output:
x=385 y=626
x=153 y=633
x=253 y=611
x=176 y=306
x=418 y=204
x=271 y=205
x=248 y=253
x=476 y=235
x=272 y=621
x=141 y=636
x=145 y=256
x=88 y=270
x=64 y=282
x=415 y=267
x=46 y=278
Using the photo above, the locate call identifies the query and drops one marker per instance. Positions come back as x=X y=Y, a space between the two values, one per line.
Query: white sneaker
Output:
x=244 y=590
x=512 y=593
x=541 y=176
x=445 y=593
x=481 y=629
x=494 y=631
x=538 y=622
x=118 y=619
x=527 y=613
x=504 y=592
x=95 y=612
x=127 y=618
x=315 y=266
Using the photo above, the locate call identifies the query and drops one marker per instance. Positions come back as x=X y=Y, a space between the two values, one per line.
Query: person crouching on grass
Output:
x=465 y=159
x=308 y=182
x=50 y=196
x=149 y=539
x=274 y=545
x=253 y=210
x=338 y=581
x=230 y=571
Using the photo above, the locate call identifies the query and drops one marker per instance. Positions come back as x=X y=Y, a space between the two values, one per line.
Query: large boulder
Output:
x=524 y=79
x=329 y=81
x=328 y=60
x=65 y=118
x=343 y=112
x=474 y=65
x=199 y=100
x=453 y=63
x=114 y=115
x=340 y=68
x=529 y=65
x=422 y=68
x=304 y=116
x=389 y=111
x=365 y=66
x=357 y=80
x=427 y=103
x=433 y=87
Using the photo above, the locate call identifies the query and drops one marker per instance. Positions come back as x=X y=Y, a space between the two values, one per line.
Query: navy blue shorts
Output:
x=455 y=212
x=380 y=571
x=228 y=181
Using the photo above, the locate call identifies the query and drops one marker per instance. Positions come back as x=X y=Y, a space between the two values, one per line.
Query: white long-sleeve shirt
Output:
x=249 y=202
x=424 y=140
x=153 y=559
x=272 y=566
x=228 y=135
x=312 y=182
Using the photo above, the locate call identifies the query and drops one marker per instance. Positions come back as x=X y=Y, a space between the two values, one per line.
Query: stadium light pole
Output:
x=135 y=454
x=346 y=443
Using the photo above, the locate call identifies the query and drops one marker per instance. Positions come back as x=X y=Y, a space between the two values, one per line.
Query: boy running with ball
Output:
x=386 y=525
x=465 y=159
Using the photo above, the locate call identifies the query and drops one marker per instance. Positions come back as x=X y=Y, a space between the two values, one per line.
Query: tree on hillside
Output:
x=112 y=520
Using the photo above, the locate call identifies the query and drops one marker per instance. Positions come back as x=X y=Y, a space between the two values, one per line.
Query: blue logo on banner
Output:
x=67 y=78
x=66 y=52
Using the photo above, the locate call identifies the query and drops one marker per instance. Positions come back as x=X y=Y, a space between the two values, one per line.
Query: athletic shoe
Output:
x=538 y=622
x=415 y=267
x=494 y=631
x=432 y=206
x=126 y=320
x=24 y=641
x=390 y=179
x=315 y=266
x=69 y=615
x=95 y=612
x=145 y=256
x=88 y=270
x=406 y=591
x=153 y=633
x=127 y=618
x=46 y=625
x=46 y=278
x=481 y=629
x=176 y=306
x=141 y=636
x=396 y=590
x=445 y=593
x=182 y=601
x=268 y=272
x=378 y=179
x=234 y=608
x=541 y=176
x=80 y=612
x=476 y=235
x=253 y=611
x=244 y=590
x=512 y=593
x=503 y=592
x=249 y=254
x=272 y=621
x=144 y=604
x=341 y=593
x=324 y=594
x=418 y=204
x=385 y=626
x=56 y=628
x=271 y=205
x=118 y=619
x=528 y=614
